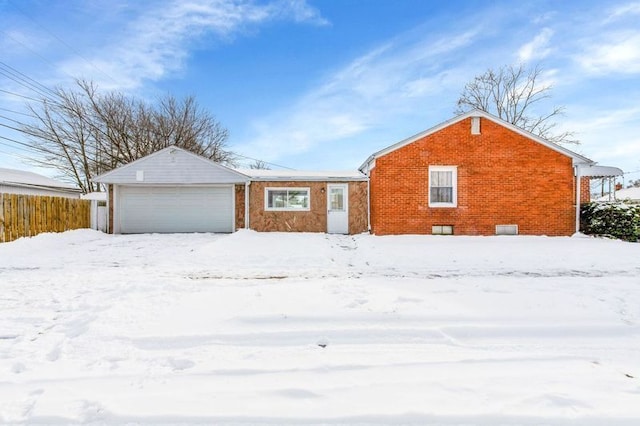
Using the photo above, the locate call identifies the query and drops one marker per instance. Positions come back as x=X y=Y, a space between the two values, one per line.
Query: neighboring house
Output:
x=29 y=183
x=473 y=175
x=478 y=175
x=173 y=190
x=626 y=194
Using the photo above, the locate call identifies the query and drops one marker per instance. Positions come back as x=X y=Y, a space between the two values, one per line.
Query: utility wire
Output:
x=61 y=41
x=266 y=162
x=16 y=112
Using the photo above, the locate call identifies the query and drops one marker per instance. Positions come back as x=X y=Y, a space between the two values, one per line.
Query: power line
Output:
x=24 y=79
x=20 y=96
x=266 y=162
x=15 y=141
x=61 y=41
x=16 y=112
x=35 y=53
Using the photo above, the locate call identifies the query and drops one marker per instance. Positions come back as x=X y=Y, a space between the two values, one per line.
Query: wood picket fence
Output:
x=29 y=215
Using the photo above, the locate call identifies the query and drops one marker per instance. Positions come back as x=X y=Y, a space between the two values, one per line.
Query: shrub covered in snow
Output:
x=616 y=219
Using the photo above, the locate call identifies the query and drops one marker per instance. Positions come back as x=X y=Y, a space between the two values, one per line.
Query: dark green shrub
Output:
x=614 y=219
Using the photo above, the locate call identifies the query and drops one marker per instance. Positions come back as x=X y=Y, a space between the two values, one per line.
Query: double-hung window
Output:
x=443 y=186
x=287 y=199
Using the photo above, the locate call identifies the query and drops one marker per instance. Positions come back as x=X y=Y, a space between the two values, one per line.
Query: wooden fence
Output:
x=29 y=215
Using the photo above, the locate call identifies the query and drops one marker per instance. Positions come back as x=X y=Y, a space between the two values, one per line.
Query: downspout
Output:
x=368 y=202
x=578 y=188
x=246 y=204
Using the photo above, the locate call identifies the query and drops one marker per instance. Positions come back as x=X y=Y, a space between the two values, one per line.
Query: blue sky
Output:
x=321 y=84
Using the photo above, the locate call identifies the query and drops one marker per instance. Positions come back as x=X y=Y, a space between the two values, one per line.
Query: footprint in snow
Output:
x=180 y=364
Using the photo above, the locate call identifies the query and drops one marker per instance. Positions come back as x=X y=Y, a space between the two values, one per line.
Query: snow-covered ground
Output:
x=313 y=328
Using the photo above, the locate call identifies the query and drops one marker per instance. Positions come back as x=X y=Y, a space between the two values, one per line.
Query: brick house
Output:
x=477 y=175
x=472 y=175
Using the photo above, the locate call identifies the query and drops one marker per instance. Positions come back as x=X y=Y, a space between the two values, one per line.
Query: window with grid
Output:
x=443 y=191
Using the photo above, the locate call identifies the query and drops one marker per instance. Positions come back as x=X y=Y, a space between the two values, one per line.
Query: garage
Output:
x=176 y=209
x=174 y=190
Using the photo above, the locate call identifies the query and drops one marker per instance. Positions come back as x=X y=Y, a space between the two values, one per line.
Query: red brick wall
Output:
x=504 y=178
x=585 y=189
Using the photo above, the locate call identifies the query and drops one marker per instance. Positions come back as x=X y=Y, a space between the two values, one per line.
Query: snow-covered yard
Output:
x=313 y=328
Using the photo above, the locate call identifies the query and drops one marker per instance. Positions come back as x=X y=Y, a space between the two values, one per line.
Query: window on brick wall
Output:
x=443 y=186
x=283 y=199
x=442 y=229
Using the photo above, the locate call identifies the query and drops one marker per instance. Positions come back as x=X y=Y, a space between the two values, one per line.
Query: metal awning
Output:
x=599 y=171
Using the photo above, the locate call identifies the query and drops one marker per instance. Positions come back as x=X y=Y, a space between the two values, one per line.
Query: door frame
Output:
x=345 y=187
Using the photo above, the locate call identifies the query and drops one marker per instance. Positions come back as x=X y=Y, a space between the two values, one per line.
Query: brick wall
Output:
x=314 y=220
x=503 y=178
x=240 y=203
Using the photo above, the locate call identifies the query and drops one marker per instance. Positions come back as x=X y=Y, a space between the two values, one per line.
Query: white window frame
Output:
x=287 y=209
x=454 y=182
x=441 y=229
x=500 y=229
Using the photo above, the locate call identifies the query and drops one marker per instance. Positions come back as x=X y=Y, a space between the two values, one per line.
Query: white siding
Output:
x=172 y=166
x=26 y=190
x=143 y=209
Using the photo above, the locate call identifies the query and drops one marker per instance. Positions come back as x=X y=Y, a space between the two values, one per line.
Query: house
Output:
x=29 y=183
x=478 y=175
x=173 y=190
x=472 y=175
x=624 y=194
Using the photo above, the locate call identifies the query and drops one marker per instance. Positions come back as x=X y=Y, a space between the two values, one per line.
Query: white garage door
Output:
x=176 y=209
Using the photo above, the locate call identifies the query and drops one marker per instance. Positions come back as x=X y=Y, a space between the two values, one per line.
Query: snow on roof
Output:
x=623 y=194
x=24 y=178
x=99 y=196
x=260 y=174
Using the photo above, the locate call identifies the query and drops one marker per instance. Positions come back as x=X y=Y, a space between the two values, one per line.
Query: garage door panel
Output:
x=168 y=209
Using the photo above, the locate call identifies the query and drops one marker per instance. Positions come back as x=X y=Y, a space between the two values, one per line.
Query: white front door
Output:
x=338 y=208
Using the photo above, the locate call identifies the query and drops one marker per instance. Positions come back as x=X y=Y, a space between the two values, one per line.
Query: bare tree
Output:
x=634 y=184
x=83 y=133
x=259 y=165
x=513 y=93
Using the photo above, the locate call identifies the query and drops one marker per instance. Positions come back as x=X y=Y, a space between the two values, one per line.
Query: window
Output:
x=475 y=125
x=295 y=199
x=506 y=229
x=443 y=186
x=442 y=229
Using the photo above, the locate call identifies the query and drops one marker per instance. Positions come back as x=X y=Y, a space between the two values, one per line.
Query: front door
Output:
x=338 y=208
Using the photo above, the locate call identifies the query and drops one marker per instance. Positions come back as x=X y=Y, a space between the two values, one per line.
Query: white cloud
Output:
x=609 y=135
x=619 y=53
x=388 y=81
x=538 y=48
x=158 y=42
x=624 y=11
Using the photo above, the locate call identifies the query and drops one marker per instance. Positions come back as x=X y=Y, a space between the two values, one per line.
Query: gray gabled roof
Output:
x=476 y=113
x=172 y=166
x=22 y=178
